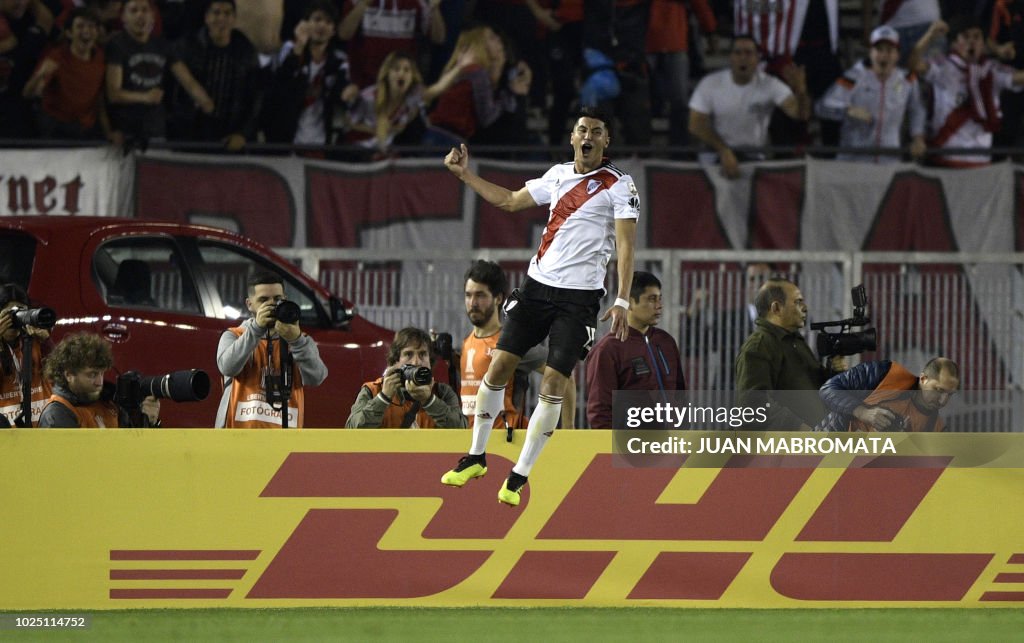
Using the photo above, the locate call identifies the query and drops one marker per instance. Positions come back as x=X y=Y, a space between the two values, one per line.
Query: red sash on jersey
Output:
x=572 y=201
x=980 y=104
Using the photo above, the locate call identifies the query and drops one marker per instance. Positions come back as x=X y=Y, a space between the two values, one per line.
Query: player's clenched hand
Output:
x=457 y=160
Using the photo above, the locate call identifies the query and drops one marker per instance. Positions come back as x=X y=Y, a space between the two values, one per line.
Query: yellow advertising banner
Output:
x=93 y=519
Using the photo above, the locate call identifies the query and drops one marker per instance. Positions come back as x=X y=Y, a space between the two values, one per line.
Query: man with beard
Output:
x=486 y=291
x=886 y=396
x=81 y=399
x=965 y=89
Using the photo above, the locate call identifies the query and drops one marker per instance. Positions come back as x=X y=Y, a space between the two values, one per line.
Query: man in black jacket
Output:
x=225 y=63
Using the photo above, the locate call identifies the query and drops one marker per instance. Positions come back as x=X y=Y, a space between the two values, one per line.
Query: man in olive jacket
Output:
x=775 y=365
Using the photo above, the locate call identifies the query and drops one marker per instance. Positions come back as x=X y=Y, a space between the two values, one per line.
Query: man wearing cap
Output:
x=872 y=99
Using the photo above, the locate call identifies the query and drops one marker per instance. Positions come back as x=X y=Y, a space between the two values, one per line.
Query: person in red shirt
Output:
x=69 y=80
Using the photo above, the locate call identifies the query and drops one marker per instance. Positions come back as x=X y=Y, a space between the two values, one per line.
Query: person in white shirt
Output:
x=593 y=211
x=732 y=107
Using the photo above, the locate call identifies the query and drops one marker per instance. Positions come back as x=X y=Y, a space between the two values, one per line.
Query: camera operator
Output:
x=886 y=396
x=398 y=400
x=266 y=362
x=776 y=361
x=81 y=399
x=12 y=361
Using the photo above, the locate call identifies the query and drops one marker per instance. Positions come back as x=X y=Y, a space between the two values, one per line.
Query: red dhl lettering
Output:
x=742 y=504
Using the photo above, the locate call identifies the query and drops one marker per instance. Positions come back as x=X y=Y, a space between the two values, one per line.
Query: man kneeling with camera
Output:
x=406 y=396
x=81 y=399
x=266 y=362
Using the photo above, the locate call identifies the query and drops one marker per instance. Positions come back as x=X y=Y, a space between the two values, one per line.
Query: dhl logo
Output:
x=702 y=546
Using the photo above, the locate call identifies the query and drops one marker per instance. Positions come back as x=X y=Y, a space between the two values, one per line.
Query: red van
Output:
x=162 y=294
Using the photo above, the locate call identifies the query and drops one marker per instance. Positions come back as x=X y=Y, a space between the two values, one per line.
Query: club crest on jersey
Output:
x=593 y=185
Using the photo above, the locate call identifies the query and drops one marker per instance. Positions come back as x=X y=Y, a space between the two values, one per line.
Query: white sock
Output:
x=490 y=401
x=542 y=426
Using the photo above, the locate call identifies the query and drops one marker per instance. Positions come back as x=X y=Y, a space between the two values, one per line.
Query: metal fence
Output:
x=966 y=306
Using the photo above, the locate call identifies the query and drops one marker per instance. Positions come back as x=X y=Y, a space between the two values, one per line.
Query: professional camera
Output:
x=180 y=386
x=418 y=375
x=41 y=317
x=847 y=341
x=287 y=312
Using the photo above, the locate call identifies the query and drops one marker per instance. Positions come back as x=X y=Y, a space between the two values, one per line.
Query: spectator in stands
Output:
x=373 y=29
x=647 y=361
x=311 y=83
x=525 y=37
x=486 y=292
x=394 y=401
x=81 y=399
x=267 y=363
x=667 y=55
x=223 y=60
x=28 y=22
x=391 y=111
x=69 y=80
x=965 y=88
x=885 y=396
x=775 y=368
x=12 y=360
x=473 y=101
x=107 y=12
x=732 y=107
x=873 y=98
x=800 y=32
x=137 y=65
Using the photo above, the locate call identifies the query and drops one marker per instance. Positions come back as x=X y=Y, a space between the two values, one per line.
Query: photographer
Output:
x=404 y=398
x=266 y=362
x=886 y=396
x=80 y=397
x=775 y=364
x=12 y=362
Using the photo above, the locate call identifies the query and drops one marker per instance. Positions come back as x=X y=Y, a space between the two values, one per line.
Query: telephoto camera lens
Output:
x=42 y=317
x=418 y=375
x=287 y=312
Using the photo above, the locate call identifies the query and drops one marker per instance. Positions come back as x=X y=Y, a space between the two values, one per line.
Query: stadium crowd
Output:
x=369 y=79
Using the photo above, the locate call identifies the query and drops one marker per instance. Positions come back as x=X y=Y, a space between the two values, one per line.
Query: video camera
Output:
x=847 y=341
x=42 y=317
x=180 y=386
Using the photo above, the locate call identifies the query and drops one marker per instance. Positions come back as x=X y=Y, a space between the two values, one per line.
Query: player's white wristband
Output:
x=619 y=301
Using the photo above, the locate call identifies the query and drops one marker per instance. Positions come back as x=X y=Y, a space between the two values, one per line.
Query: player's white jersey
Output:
x=579 y=237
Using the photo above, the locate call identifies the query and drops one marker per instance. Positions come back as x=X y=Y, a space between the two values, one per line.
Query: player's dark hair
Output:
x=596 y=114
